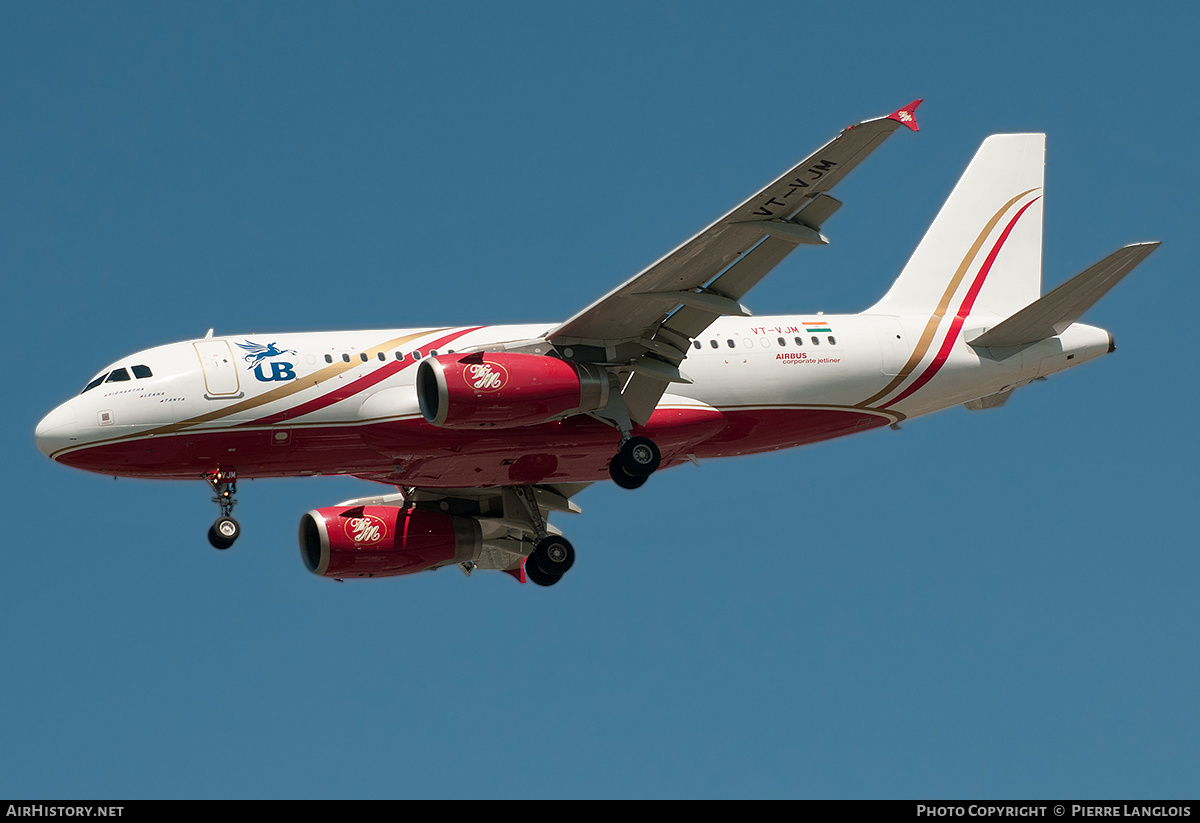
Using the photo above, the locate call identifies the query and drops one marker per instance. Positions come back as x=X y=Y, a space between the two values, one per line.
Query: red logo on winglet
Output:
x=906 y=115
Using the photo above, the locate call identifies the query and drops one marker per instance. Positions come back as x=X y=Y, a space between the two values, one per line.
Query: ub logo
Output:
x=485 y=377
x=256 y=353
x=279 y=371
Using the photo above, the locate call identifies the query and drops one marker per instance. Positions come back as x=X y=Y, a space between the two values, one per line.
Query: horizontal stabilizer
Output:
x=1052 y=314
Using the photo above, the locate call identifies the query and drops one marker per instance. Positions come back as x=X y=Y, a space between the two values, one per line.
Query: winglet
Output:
x=906 y=115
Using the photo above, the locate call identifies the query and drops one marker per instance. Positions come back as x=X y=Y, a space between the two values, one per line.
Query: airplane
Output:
x=481 y=433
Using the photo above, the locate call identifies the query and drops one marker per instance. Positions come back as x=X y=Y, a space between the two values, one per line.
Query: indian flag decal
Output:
x=817 y=327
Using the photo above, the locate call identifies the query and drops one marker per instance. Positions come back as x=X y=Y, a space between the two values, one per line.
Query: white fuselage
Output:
x=345 y=402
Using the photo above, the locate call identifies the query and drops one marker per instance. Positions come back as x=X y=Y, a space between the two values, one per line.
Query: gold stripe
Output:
x=895 y=415
x=279 y=393
x=939 y=313
x=327 y=373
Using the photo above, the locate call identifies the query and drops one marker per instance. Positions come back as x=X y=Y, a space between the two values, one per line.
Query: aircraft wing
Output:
x=644 y=327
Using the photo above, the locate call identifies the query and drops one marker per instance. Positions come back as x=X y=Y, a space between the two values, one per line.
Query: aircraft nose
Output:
x=57 y=430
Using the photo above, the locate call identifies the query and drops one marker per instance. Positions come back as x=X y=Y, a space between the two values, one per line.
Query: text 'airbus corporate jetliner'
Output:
x=484 y=431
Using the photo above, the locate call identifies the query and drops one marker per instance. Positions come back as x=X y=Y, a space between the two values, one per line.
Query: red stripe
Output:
x=354 y=387
x=964 y=311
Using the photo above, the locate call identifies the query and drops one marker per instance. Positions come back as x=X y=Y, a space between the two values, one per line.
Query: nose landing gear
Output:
x=225 y=530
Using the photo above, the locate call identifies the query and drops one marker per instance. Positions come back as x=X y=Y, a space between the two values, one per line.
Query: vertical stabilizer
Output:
x=983 y=253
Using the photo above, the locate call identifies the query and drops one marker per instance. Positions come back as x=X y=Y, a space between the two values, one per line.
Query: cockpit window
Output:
x=94 y=383
x=118 y=375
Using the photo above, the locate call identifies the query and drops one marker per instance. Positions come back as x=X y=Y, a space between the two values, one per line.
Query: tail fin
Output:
x=983 y=253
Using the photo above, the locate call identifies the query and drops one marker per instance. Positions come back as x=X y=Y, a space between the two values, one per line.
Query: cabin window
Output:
x=417 y=354
x=382 y=357
x=695 y=344
x=832 y=342
x=713 y=343
x=731 y=343
x=117 y=376
x=363 y=356
x=329 y=358
x=799 y=341
x=345 y=358
x=141 y=372
x=783 y=341
x=816 y=340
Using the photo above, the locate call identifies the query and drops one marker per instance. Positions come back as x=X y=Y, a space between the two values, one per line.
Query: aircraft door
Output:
x=893 y=348
x=220 y=369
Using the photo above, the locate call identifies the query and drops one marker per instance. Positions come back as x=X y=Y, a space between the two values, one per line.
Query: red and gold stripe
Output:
x=925 y=342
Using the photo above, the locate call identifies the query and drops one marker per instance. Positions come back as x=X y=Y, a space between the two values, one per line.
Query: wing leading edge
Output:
x=642 y=330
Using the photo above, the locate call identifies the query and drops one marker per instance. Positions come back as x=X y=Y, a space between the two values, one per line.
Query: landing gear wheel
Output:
x=226 y=529
x=639 y=457
x=621 y=478
x=554 y=555
x=538 y=576
x=224 y=532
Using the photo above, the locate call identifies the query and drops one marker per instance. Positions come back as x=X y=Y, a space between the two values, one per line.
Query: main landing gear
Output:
x=635 y=460
x=550 y=560
x=552 y=555
x=225 y=530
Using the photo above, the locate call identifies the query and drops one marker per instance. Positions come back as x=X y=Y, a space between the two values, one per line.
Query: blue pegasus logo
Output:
x=257 y=352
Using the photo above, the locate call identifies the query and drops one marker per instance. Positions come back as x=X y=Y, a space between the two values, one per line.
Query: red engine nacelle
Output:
x=383 y=541
x=500 y=390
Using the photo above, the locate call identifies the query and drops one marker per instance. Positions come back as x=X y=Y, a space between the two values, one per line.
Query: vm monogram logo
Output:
x=485 y=377
x=366 y=531
x=279 y=371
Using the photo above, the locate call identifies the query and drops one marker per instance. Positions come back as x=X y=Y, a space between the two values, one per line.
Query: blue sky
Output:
x=995 y=604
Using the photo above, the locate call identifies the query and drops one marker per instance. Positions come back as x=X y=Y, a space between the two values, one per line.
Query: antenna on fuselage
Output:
x=210 y=331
